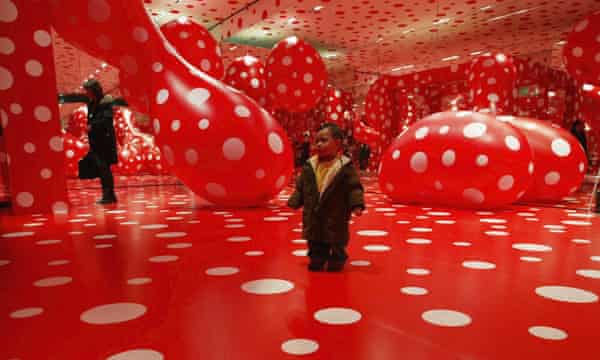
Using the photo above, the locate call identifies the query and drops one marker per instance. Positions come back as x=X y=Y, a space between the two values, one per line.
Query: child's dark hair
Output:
x=335 y=130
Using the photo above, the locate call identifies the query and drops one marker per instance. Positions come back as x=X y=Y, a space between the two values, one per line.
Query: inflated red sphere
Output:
x=581 y=53
x=77 y=125
x=559 y=162
x=75 y=149
x=457 y=159
x=296 y=75
x=492 y=79
x=195 y=44
x=130 y=160
x=247 y=74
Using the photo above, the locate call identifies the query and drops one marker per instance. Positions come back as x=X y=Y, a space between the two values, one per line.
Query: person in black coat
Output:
x=101 y=134
x=578 y=130
x=330 y=191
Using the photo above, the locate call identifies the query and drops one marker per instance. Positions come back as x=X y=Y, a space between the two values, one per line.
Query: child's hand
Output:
x=357 y=211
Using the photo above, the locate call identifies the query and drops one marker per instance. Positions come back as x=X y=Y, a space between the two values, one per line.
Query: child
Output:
x=330 y=190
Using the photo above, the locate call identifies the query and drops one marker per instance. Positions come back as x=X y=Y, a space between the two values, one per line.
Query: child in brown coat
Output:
x=330 y=191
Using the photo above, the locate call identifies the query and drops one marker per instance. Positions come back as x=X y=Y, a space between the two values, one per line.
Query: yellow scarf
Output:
x=322 y=169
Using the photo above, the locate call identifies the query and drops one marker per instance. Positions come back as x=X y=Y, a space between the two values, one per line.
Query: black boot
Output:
x=108 y=197
x=316 y=265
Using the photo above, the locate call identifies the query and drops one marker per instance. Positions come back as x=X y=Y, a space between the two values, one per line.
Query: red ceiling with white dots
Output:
x=366 y=36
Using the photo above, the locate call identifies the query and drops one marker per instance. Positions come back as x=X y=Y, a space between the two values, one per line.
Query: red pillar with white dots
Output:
x=29 y=109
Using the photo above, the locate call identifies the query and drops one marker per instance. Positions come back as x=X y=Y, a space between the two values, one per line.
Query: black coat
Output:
x=100 y=124
x=325 y=217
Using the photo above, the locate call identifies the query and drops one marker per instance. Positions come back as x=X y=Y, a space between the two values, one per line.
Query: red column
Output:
x=29 y=110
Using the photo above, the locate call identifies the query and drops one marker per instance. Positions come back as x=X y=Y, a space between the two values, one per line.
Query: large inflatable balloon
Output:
x=457 y=159
x=492 y=79
x=581 y=53
x=559 y=162
x=296 y=75
x=77 y=124
x=75 y=149
x=247 y=74
x=195 y=44
x=219 y=142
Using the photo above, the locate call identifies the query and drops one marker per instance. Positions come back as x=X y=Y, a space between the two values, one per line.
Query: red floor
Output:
x=153 y=278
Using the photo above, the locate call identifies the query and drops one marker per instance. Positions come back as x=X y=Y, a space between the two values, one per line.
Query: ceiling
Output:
x=361 y=38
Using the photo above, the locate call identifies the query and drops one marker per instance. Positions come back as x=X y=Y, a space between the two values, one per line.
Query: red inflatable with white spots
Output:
x=247 y=74
x=195 y=44
x=77 y=125
x=334 y=107
x=379 y=106
x=296 y=75
x=75 y=149
x=581 y=54
x=219 y=142
x=492 y=79
x=131 y=161
x=559 y=162
x=457 y=159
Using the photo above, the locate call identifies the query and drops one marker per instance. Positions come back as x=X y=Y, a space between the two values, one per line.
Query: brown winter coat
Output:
x=325 y=216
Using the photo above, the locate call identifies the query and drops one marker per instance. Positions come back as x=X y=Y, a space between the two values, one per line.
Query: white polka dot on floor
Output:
x=163 y=258
x=414 y=290
x=137 y=354
x=377 y=248
x=26 y=313
x=170 y=235
x=267 y=286
x=566 y=294
x=222 y=271
x=299 y=346
x=446 y=318
x=53 y=281
x=418 y=271
x=113 y=313
x=139 y=281
x=547 y=333
x=337 y=316
x=478 y=265
x=372 y=233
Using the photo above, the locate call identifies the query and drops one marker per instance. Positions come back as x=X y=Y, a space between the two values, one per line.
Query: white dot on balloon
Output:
x=255 y=83
x=234 y=149
x=175 y=125
x=512 y=143
x=34 y=68
x=506 y=182
x=577 y=52
x=474 y=195
x=547 y=333
x=205 y=65
x=308 y=78
x=474 y=130
x=42 y=38
x=53 y=281
x=396 y=154
x=113 y=313
x=42 y=113
x=479 y=265
x=6 y=79
x=421 y=133
x=275 y=143
x=162 y=96
x=157 y=67
x=552 y=178
x=418 y=162
x=203 y=124
x=191 y=156
x=198 y=96
x=337 y=316
x=201 y=44
x=140 y=34
x=242 y=111
x=30 y=148
x=46 y=173
x=444 y=130
x=299 y=347
x=446 y=318
x=282 y=88
x=7 y=46
x=482 y=160
x=25 y=199
x=448 y=158
x=561 y=147
x=216 y=190
x=260 y=173
x=287 y=60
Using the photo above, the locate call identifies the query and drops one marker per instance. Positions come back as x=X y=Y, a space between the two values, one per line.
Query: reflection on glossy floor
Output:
x=153 y=278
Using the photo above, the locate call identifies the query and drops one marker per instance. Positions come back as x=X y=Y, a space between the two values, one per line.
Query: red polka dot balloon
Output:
x=457 y=159
x=492 y=79
x=77 y=125
x=75 y=150
x=559 y=162
x=131 y=161
x=214 y=138
x=247 y=74
x=334 y=108
x=581 y=53
x=195 y=44
x=296 y=75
